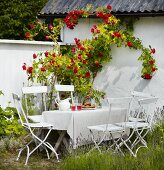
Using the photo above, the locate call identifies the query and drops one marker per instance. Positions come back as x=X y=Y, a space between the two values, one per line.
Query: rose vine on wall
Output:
x=112 y=32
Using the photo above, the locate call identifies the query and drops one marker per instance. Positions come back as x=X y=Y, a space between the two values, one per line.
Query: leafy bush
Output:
x=15 y=15
x=9 y=124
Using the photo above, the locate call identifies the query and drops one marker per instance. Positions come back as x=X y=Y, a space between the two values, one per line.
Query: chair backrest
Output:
x=64 y=88
x=140 y=94
x=134 y=106
x=22 y=116
x=35 y=90
x=150 y=111
x=122 y=102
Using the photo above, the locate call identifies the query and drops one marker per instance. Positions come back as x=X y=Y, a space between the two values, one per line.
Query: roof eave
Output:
x=139 y=14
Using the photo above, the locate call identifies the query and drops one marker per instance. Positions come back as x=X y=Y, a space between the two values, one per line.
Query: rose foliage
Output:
x=79 y=64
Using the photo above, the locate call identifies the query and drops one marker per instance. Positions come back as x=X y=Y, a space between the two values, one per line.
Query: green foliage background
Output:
x=15 y=15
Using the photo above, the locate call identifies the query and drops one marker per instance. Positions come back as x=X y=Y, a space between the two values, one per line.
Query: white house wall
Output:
x=12 y=56
x=123 y=75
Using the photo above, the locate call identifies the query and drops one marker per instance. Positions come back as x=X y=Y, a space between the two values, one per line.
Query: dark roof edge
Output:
x=139 y=14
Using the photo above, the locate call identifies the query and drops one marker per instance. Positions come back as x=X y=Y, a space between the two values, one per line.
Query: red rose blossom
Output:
x=89 y=55
x=117 y=34
x=46 y=53
x=29 y=70
x=79 y=56
x=50 y=27
x=151 y=62
x=147 y=76
x=109 y=7
x=129 y=44
x=34 y=56
x=153 y=50
x=73 y=50
x=97 y=64
x=98 y=31
x=95 y=26
x=43 y=68
x=75 y=70
x=153 y=69
x=47 y=37
x=82 y=48
x=24 y=66
x=84 y=61
x=53 y=55
x=27 y=34
x=87 y=74
x=92 y=30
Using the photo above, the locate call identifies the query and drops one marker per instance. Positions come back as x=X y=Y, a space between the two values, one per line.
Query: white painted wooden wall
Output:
x=12 y=56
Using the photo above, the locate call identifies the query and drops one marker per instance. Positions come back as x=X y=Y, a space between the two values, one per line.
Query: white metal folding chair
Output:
x=31 y=128
x=58 y=89
x=64 y=88
x=139 y=129
x=40 y=93
x=136 y=95
x=108 y=130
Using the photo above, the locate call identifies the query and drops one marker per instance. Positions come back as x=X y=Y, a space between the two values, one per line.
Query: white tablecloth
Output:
x=76 y=122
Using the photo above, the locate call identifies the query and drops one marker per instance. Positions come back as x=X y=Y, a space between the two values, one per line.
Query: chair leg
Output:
x=42 y=142
x=115 y=143
x=125 y=141
x=95 y=143
x=48 y=145
x=19 y=154
x=28 y=155
x=140 y=138
x=130 y=150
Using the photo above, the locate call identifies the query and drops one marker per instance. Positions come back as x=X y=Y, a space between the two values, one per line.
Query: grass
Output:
x=147 y=159
x=36 y=162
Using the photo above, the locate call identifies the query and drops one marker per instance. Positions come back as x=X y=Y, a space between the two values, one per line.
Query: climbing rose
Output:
x=75 y=70
x=98 y=31
x=109 y=7
x=50 y=27
x=84 y=61
x=34 y=56
x=153 y=50
x=129 y=44
x=151 y=62
x=87 y=74
x=95 y=26
x=47 y=37
x=29 y=70
x=79 y=57
x=147 y=76
x=117 y=34
x=24 y=66
x=73 y=50
x=46 y=53
x=92 y=30
x=43 y=69
x=27 y=34
x=153 y=69
x=97 y=64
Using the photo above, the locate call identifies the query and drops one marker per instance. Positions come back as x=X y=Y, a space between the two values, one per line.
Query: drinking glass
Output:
x=73 y=107
x=79 y=106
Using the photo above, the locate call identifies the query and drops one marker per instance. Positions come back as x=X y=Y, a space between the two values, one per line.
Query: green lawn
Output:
x=147 y=159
